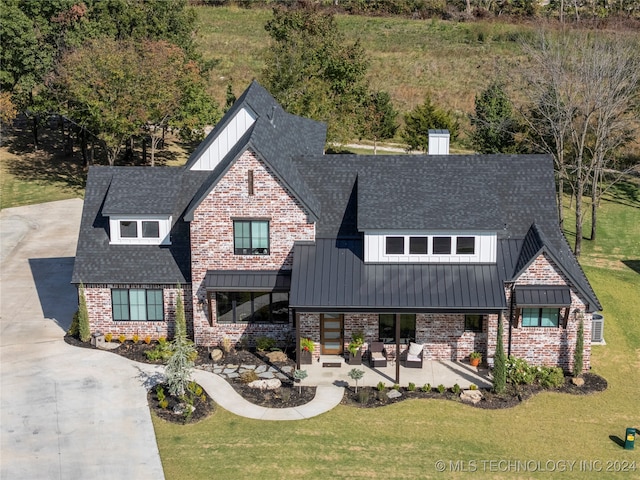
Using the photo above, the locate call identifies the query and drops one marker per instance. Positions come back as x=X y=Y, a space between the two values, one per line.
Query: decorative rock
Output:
x=261 y=368
x=394 y=394
x=577 y=381
x=287 y=369
x=248 y=367
x=277 y=357
x=270 y=384
x=216 y=354
x=180 y=408
x=266 y=375
x=281 y=376
x=229 y=370
x=471 y=396
x=217 y=370
x=235 y=367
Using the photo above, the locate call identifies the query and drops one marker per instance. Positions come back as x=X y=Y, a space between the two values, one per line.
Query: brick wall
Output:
x=212 y=241
x=98 y=299
x=548 y=346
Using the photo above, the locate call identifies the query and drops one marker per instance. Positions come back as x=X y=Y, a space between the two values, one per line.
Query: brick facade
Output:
x=550 y=346
x=212 y=245
x=99 y=307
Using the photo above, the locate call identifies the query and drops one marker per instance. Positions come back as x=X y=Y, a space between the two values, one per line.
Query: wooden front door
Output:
x=331 y=333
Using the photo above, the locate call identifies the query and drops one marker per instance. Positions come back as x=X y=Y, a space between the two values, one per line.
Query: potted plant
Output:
x=475 y=358
x=354 y=347
x=306 y=349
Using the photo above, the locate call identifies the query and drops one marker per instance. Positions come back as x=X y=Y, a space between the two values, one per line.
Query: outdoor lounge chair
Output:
x=377 y=355
x=412 y=357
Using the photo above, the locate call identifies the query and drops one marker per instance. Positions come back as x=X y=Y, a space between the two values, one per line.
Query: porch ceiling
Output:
x=331 y=274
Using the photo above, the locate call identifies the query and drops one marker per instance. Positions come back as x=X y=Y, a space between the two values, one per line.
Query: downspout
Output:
x=296 y=325
x=510 y=319
x=398 y=348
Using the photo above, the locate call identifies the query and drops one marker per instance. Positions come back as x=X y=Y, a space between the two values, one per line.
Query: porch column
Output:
x=398 y=348
x=296 y=315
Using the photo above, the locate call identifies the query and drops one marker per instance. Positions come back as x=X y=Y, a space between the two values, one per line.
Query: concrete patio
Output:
x=447 y=373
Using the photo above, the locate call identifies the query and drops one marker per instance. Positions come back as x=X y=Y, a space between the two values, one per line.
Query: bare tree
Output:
x=582 y=90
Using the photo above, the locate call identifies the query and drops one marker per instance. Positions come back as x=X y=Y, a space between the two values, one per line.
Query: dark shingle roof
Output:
x=97 y=261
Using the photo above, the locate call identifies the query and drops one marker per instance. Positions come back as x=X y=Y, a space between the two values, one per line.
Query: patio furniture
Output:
x=412 y=357
x=377 y=355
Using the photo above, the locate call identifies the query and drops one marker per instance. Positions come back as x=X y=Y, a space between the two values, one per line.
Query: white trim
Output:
x=164 y=227
x=375 y=247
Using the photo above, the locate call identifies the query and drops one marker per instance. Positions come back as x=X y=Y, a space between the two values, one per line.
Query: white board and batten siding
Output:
x=226 y=139
x=485 y=248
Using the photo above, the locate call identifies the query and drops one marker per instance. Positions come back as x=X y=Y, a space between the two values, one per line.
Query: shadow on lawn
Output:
x=633 y=265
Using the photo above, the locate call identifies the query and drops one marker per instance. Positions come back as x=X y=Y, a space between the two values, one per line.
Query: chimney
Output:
x=438 y=142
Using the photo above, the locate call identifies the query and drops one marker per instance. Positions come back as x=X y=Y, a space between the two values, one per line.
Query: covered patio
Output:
x=441 y=372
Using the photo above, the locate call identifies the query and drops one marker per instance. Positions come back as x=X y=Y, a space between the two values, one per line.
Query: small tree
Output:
x=421 y=119
x=379 y=119
x=83 y=317
x=300 y=375
x=180 y=364
x=356 y=375
x=578 y=353
x=499 y=365
x=494 y=121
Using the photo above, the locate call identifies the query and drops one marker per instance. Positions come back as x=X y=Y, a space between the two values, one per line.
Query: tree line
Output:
x=114 y=70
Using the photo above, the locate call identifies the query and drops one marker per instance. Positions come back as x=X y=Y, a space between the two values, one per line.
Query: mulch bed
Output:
x=370 y=397
x=289 y=395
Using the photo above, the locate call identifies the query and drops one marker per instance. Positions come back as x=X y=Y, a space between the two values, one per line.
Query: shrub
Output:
x=441 y=388
x=382 y=395
x=161 y=351
x=136 y=339
x=550 y=377
x=285 y=394
x=249 y=376
x=396 y=386
x=518 y=371
x=380 y=386
x=473 y=386
x=499 y=367
x=426 y=387
x=195 y=389
x=411 y=387
x=108 y=337
x=74 y=329
x=226 y=345
x=456 y=389
x=122 y=338
x=578 y=353
x=162 y=341
x=363 y=396
x=147 y=339
x=264 y=344
x=160 y=393
x=163 y=403
x=83 y=317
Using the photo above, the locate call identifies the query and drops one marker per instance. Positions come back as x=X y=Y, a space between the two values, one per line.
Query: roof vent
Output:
x=438 y=142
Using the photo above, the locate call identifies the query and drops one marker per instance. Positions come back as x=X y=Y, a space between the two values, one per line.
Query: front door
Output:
x=331 y=333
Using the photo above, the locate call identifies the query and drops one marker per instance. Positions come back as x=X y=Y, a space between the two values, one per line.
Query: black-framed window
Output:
x=473 y=323
x=540 y=317
x=418 y=245
x=441 y=245
x=128 y=229
x=137 y=304
x=150 y=229
x=252 y=307
x=394 y=246
x=387 y=327
x=465 y=245
x=251 y=237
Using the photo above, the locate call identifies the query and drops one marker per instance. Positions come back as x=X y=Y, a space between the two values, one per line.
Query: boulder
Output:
x=471 y=396
x=277 y=357
x=394 y=394
x=266 y=384
x=577 y=381
x=216 y=354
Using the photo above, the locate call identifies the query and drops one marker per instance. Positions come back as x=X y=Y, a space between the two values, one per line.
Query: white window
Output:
x=147 y=231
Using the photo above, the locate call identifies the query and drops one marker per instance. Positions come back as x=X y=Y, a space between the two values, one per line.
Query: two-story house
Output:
x=266 y=235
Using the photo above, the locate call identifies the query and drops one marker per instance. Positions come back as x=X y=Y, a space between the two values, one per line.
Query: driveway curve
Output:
x=65 y=412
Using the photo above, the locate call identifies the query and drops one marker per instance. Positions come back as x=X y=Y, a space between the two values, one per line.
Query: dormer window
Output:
x=442 y=245
x=394 y=246
x=147 y=231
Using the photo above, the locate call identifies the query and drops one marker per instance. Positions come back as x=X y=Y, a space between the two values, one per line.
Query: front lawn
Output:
x=406 y=440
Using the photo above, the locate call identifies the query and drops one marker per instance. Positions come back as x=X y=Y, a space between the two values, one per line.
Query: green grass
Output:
x=406 y=439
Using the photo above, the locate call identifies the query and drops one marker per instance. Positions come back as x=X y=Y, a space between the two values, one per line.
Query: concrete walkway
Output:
x=70 y=412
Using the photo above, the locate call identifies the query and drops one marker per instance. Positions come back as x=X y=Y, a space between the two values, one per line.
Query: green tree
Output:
x=421 y=119
x=83 y=316
x=313 y=71
x=379 y=119
x=495 y=125
x=578 y=353
x=499 y=363
x=180 y=364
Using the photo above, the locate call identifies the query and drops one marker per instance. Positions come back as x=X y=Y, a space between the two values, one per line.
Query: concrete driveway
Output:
x=66 y=412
